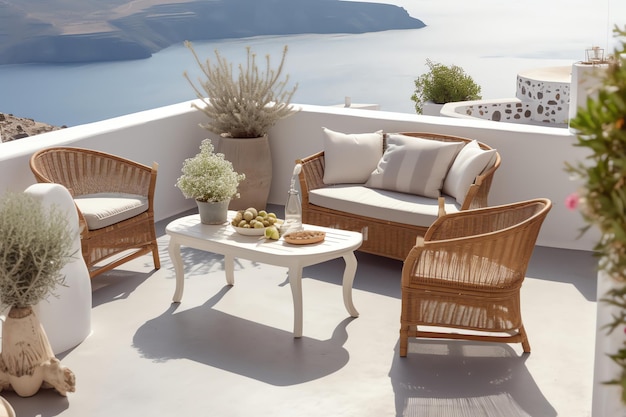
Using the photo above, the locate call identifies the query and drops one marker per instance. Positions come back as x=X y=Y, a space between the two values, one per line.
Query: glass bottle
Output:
x=293 y=207
x=293 y=212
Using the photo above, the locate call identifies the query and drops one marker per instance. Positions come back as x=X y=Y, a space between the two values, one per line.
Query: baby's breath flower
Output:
x=208 y=176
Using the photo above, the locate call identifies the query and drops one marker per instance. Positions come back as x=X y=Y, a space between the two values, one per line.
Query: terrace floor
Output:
x=229 y=351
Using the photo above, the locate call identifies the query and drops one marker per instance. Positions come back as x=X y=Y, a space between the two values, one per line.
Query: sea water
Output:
x=492 y=40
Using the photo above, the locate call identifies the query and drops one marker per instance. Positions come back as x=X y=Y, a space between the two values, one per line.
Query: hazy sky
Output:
x=540 y=21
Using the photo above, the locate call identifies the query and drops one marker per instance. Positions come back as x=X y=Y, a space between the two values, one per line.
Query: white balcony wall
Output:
x=533 y=157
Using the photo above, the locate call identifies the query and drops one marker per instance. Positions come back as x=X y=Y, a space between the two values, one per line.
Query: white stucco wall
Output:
x=532 y=156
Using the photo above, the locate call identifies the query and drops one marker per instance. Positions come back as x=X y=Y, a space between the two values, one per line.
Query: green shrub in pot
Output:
x=444 y=84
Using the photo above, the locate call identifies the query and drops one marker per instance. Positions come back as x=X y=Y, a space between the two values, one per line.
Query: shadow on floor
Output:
x=458 y=378
x=116 y=285
x=243 y=347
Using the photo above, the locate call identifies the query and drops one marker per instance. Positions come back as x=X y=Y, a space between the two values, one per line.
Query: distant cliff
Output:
x=63 y=31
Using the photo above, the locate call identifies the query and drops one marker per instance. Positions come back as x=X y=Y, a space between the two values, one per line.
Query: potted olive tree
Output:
x=211 y=181
x=443 y=84
x=241 y=110
x=35 y=245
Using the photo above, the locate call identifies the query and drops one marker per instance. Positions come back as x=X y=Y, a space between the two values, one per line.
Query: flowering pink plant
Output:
x=571 y=202
x=601 y=127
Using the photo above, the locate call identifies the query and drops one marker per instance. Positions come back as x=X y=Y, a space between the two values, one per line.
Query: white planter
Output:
x=430 y=108
x=606 y=398
x=66 y=314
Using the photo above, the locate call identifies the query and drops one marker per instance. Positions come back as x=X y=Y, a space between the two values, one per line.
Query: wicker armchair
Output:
x=114 y=199
x=466 y=273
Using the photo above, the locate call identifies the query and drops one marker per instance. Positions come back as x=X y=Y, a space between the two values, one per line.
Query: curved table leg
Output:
x=348 y=280
x=174 y=251
x=229 y=268
x=295 y=282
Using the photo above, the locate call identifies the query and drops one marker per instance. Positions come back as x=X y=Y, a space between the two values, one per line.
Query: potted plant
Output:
x=36 y=244
x=601 y=129
x=241 y=110
x=443 y=84
x=211 y=180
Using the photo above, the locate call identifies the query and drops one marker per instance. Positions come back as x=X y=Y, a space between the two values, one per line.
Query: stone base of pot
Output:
x=26 y=361
x=213 y=213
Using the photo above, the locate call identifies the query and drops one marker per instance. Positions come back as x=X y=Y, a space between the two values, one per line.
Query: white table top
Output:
x=190 y=231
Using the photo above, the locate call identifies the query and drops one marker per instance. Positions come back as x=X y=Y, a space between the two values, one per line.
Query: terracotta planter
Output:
x=213 y=213
x=252 y=157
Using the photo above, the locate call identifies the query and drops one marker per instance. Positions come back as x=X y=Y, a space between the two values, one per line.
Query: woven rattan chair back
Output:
x=85 y=171
x=466 y=274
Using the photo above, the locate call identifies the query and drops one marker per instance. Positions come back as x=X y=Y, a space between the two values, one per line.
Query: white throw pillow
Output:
x=350 y=158
x=414 y=165
x=469 y=163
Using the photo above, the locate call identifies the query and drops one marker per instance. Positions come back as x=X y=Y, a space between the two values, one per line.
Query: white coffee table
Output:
x=224 y=240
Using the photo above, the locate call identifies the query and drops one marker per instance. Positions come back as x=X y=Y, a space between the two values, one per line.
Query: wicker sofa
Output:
x=390 y=220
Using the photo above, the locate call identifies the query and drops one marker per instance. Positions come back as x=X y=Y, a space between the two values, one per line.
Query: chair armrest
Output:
x=482 y=220
x=312 y=174
x=478 y=193
x=494 y=242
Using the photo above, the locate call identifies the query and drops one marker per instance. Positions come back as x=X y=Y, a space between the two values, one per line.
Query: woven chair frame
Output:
x=466 y=273
x=385 y=238
x=85 y=171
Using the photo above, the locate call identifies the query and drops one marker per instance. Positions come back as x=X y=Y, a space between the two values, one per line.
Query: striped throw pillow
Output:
x=414 y=165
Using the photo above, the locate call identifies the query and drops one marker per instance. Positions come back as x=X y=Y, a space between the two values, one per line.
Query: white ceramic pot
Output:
x=431 y=108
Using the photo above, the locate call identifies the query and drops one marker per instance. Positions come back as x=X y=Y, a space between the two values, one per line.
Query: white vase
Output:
x=213 y=213
x=430 y=108
x=66 y=314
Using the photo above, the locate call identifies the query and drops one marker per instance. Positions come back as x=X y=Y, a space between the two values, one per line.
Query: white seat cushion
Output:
x=104 y=209
x=381 y=204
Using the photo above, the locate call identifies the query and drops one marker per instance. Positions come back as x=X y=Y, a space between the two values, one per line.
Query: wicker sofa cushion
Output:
x=468 y=164
x=381 y=204
x=414 y=165
x=104 y=209
x=351 y=158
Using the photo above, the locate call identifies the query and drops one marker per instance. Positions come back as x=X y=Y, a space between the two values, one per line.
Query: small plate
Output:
x=305 y=237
